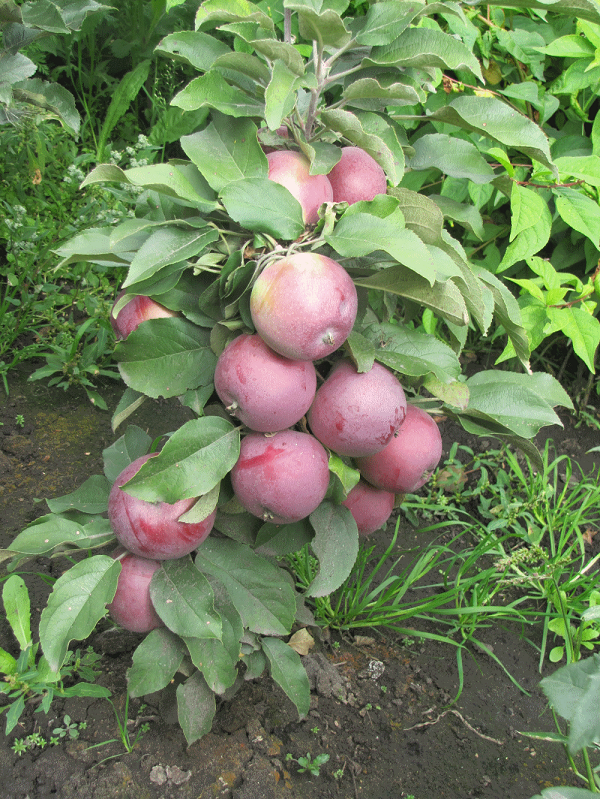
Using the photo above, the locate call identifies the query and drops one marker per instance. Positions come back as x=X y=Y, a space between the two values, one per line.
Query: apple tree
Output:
x=270 y=275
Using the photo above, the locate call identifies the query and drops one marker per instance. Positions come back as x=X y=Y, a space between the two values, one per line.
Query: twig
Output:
x=464 y=721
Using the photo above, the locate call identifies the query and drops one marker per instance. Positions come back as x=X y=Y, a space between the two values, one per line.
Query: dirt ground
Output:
x=381 y=710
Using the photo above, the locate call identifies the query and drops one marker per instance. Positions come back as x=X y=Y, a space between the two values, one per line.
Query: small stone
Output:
x=158 y=775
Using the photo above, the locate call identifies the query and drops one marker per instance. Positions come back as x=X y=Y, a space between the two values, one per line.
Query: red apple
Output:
x=357 y=413
x=132 y=607
x=137 y=310
x=304 y=306
x=409 y=459
x=291 y=169
x=370 y=506
x=152 y=530
x=266 y=391
x=356 y=176
x=281 y=478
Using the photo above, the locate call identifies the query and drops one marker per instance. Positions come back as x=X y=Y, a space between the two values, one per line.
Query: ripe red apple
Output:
x=409 y=459
x=356 y=176
x=149 y=529
x=137 y=310
x=370 y=506
x=304 y=306
x=281 y=478
x=357 y=413
x=266 y=391
x=291 y=169
x=132 y=607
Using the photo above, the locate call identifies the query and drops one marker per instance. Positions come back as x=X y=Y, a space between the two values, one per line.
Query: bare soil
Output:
x=381 y=710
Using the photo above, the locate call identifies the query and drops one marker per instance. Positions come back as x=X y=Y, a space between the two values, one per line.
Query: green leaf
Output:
x=166 y=357
x=199 y=50
x=453 y=156
x=122 y=96
x=77 y=603
x=259 y=590
x=571 y=46
x=425 y=47
x=325 y=26
x=212 y=12
x=347 y=476
x=192 y=462
x=45 y=16
x=155 y=662
x=213 y=659
x=91 y=497
x=385 y=21
x=212 y=90
x=358 y=234
x=51 y=98
x=580 y=9
x=288 y=672
x=263 y=206
x=336 y=546
x=466 y=215
x=51 y=531
x=134 y=443
x=15 y=598
x=277 y=541
x=583 y=167
x=496 y=120
x=226 y=150
x=582 y=328
x=280 y=94
x=579 y=212
x=8 y=665
x=531 y=226
x=184 y=600
x=196 y=707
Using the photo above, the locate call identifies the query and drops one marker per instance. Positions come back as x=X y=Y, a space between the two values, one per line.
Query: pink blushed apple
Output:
x=371 y=507
x=291 y=169
x=132 y=607
x=264 y=390
x=356 y=176
x=153 y=530
x=406 y=463
x=304 y=306
x=139 y=309
x=357 y=413
x=281 y=478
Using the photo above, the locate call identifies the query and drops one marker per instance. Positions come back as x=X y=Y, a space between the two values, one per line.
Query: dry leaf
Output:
x=302 y=641
x=588 y=535
x=364 y=640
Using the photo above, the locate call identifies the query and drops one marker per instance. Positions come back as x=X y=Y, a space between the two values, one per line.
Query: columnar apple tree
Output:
x=278 y=282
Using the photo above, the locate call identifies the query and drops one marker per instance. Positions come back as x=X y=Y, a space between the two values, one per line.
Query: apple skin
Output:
x=281 y=478
x=139 y=309
x=264 y=390
x=407 y=462
x=357 y=413
x=356 y=176
x=291 y=169
x=132 y=607
x=304 y=306
x=150 y=529
x=370 y=506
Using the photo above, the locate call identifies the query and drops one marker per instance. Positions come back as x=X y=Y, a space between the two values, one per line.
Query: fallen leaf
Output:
x=302 y=641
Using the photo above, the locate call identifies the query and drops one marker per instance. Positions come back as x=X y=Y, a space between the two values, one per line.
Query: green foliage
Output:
x=27 y=676
x=308 y=764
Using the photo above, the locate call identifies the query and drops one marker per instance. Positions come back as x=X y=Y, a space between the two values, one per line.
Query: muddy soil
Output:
x=380 y=708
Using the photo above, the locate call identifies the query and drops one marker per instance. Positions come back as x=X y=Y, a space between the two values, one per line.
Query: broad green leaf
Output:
x=412 y=352
x=51 y=101
x=122 y=96
x=263 y=206
x=288 y=672
x=15 y=598
x=8 y=665
x=358 y=234
x=212 y=658
x=45 y=16
x=183 y=598
x=194 y=459
x=388 y=92
x=196 y=707
x=47 y=532
x=226 y=150
x=195 y=48
x=455 y=393
x=570 y=46
x=425 y=47
x=466 y=215
x=389 y=139
x=361 y=350
x=253 y=74
x=336 y=546
x=385 y=21
x=169 y=245
x=582 y=328
x=280 y=95
x=90 y=497
x=155 y=662
x=77 y=603
x=212 y=90
x=92 y=245
x=453 y=156
x=580 y=9
x=443 y=298
x=347 y=475
x=280 y=540
x=203 y=507
x=583 y=167
x=275 y=50
x=530 y=228
x=212 y=12
x=166 y=357
x=259 y=590
x=420 y=213
x=579 y=212
x=566 y=687
x=134 y=443
x=496 y=120
x=15 y=67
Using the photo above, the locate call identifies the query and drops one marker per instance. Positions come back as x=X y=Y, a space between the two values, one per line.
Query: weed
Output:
x=308 y=764
x=69 y=728
x=124 y=738
x=20 y=420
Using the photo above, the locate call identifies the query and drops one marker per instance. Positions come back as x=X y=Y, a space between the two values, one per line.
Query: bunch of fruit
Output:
x=303 y=307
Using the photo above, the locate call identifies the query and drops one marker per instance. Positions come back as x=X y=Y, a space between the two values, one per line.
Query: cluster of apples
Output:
x=303 y=308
